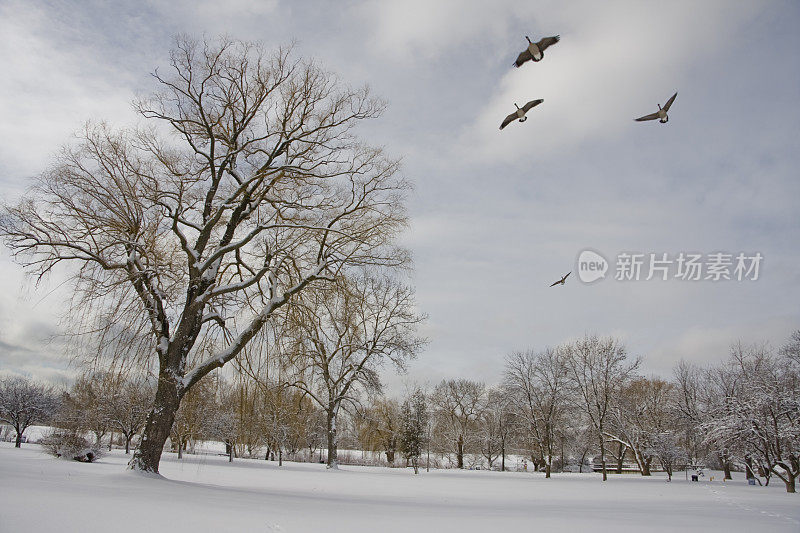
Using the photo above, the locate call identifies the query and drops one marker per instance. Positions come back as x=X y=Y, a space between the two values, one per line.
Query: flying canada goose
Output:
x=535 y=51
x=562 y=281
x=661 y=114
x=520 y=113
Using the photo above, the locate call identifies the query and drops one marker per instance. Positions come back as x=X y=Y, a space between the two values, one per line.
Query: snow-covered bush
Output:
x=71 y=445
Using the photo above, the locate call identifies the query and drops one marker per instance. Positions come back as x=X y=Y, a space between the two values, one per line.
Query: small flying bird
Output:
x=562 y=281
x=535 y=51
x=661 y=114
x=520 y=113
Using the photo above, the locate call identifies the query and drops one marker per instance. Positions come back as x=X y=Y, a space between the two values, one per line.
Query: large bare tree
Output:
x=196 y=237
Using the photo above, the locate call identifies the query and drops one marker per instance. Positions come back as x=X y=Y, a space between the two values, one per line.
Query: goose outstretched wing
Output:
x=530 y=105
x=522 y=58
x=651 y=116
x=508 y=120
x=548 y=41
x=669 y=102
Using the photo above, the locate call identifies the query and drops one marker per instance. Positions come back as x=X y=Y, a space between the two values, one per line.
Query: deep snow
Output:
x=206 y=493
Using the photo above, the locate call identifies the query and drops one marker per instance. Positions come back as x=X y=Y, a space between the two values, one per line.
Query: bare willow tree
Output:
x=260 y=189
x=379 y=427
x=641 y=416
x=598 y=368
x=343 y=332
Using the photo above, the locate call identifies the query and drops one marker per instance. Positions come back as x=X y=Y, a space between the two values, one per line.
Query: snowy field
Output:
x=206 y=493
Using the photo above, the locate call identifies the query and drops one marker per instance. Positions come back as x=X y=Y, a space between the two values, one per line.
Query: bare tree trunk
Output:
x=547 y=469
x=788 y=479
x=790 y=472
x=460 y=452
x=280 y=457
x=603 y=454
x=646 y=466
x=503 y=455
x=127 y=443
x=621 y=457
x=332 y=451
x=726 y=466
x=428 y=462
x=18 y=440
x=111 y=441
x=158 y=425
x=180 y=447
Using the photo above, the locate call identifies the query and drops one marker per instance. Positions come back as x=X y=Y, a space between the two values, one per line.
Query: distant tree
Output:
x=666 y=447
x=642 y=410
x=493 y=426
x=24 y=402
x=379 y=427
x=537 y=384
x=723 y=384
x=581 y=440
x=86 y=405
x=225 y=424
x=690 y=409
x=387 y=414
x=193 y=419
x=791 y=350
x=128 y=407
x=598 y=368
x=414 y=427
x=287 y=416
x=342 y=333
x=760 y=414
x=457 y=405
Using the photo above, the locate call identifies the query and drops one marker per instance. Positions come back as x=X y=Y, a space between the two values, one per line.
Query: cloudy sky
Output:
x=496 y=216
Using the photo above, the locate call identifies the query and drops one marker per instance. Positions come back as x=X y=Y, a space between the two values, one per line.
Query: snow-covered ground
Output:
x=206 y=493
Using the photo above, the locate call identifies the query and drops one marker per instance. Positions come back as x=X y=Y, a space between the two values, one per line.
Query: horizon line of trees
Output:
x=558 y=408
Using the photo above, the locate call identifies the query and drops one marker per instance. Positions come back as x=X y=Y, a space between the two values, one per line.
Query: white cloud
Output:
x=48 y=89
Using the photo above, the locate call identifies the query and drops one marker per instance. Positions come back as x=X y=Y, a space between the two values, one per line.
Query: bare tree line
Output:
x=580 y=405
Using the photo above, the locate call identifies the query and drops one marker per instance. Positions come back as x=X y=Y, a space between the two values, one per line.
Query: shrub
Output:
x=71 y=445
